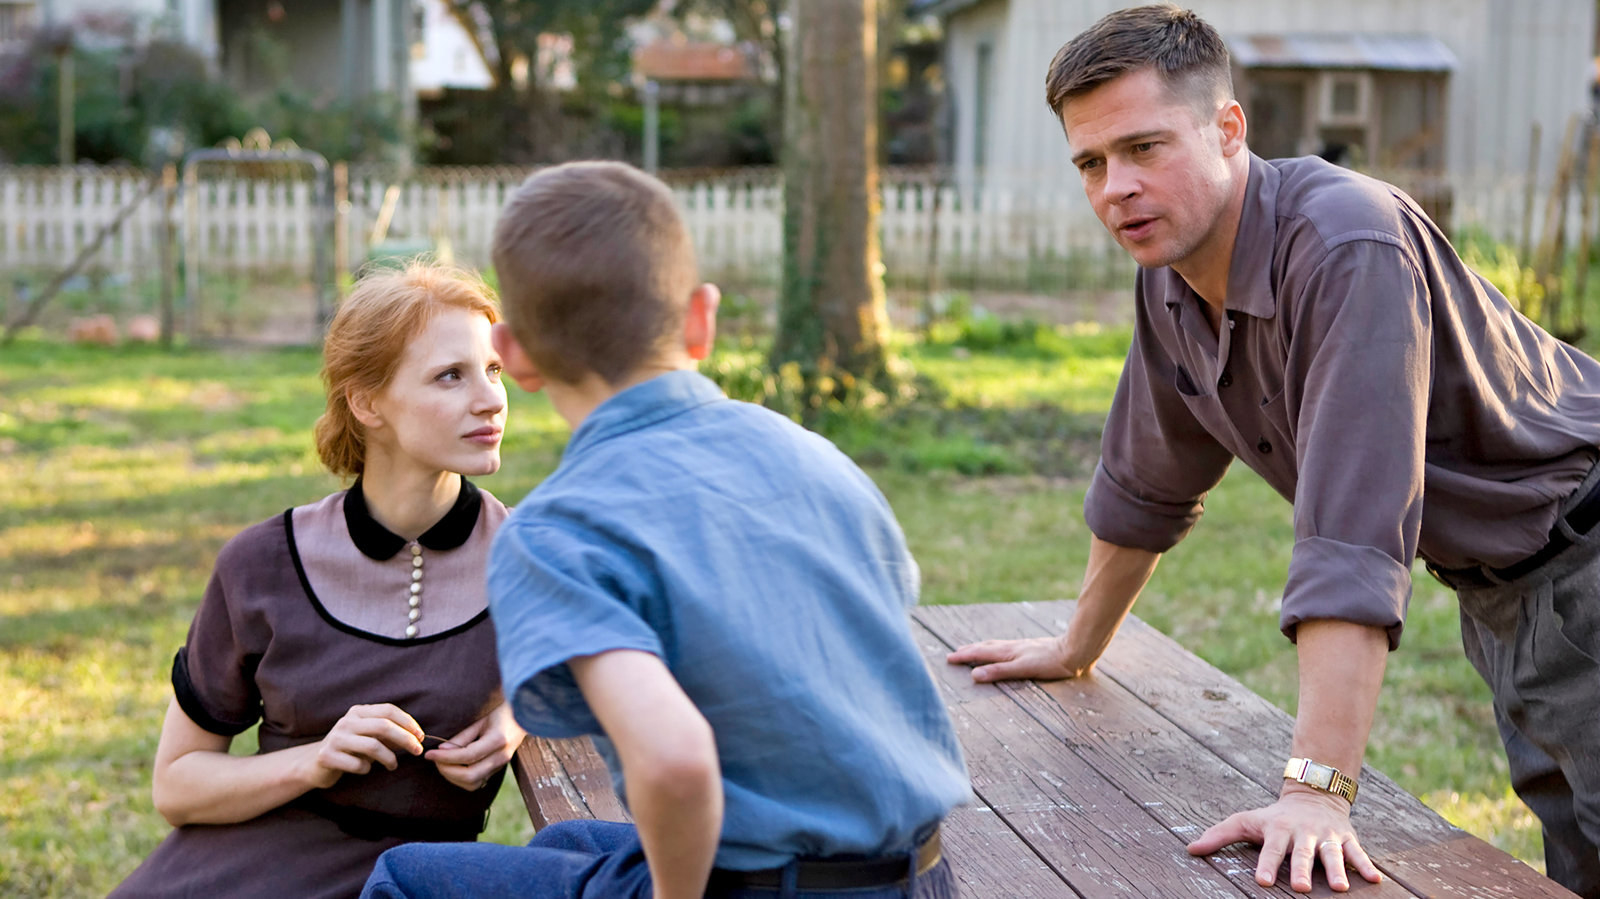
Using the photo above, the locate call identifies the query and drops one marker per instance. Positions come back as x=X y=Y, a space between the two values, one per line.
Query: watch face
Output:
x=1319 y=776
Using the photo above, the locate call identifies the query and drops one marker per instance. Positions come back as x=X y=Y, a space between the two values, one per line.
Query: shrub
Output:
x=146 y=103
x=1499 y=264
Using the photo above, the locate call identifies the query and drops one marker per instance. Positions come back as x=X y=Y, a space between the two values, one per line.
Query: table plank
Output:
x=562 y=779
x=559 y=783
x=547 y=791
x=1407 y=840
x=1166 y=777
x=589 y=774
x=989 y=859
x=1084 y=826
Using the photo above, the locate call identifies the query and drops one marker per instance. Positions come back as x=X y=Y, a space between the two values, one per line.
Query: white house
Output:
x=348 y=48
x=192 y=21
x=1447 y=87
x=444 y=56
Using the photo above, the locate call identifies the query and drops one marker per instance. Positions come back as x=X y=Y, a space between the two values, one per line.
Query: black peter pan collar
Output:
x=378 y=542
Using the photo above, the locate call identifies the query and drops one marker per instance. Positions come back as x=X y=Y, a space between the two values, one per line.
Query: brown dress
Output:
x=265 y=647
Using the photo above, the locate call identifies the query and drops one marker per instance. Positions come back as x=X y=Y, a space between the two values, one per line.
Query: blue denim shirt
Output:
x=769 y=574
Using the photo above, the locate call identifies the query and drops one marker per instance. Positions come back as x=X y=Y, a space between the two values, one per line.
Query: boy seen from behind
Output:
x=717 y=595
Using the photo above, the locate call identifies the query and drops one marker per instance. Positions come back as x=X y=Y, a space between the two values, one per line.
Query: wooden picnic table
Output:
x=1092 y=787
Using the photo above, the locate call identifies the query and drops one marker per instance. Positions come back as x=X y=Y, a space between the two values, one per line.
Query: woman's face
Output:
x=445 y=408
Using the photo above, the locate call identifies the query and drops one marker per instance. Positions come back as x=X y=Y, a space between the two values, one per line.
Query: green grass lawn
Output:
x=123 y=471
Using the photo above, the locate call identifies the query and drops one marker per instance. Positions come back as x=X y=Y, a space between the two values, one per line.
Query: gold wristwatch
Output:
x=1323 y=777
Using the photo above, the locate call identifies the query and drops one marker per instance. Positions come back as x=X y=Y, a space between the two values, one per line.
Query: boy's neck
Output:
x=575 y=402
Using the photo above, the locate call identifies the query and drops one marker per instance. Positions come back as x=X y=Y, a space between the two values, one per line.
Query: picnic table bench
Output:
x=1092 y=787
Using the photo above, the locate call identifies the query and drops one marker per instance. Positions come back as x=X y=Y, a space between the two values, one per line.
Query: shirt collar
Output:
x=378 y=542
x=1250 y=270
x=644 y=404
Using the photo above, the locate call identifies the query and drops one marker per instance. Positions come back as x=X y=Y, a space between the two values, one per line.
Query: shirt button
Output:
x=1225 y=381
x=1264 y=446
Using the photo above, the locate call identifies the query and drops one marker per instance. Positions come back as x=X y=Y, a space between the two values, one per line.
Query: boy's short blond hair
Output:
x=595 y=268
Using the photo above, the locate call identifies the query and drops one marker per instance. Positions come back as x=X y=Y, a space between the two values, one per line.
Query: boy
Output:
x=718 y=595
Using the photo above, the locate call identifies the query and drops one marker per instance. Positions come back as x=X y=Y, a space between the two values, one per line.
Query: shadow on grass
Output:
x=84 y=425
x=245 y=501
x=62 y=632
x=129 y=759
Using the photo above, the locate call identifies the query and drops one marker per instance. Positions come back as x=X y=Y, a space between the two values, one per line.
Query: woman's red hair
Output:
x=367 y=337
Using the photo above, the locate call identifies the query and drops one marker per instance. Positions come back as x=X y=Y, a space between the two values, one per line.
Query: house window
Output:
x=1344 y=97
x=980 y=106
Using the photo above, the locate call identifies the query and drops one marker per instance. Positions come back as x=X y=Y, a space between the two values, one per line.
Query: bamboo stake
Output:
x=1525 y=249
x=1580 y=280
x=83 y=257
x=168 y=236
x=341 y=224
x=1554 y=233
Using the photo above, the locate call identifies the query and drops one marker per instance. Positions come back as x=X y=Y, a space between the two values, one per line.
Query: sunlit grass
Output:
x=122 y=472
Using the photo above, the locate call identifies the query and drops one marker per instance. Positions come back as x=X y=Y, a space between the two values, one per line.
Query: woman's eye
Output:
x=494 y=372
x=448 y=374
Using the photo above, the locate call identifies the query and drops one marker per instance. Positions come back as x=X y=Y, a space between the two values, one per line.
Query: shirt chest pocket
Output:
x=1252 y=426
x=1272 y=425
x=1205 y=405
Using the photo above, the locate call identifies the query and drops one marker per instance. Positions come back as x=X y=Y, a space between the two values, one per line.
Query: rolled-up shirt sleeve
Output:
x=1157 y=461
x=556 y=595
x=1360 y=362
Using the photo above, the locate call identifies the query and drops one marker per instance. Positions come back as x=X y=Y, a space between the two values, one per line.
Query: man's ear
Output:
x=1230 y=121
x=514 y=361
x=700 y=323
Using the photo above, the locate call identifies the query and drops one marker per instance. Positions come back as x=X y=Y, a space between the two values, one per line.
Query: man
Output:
x=1315 y=324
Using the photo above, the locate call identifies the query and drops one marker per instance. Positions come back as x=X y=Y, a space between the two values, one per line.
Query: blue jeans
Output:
x=579 y=859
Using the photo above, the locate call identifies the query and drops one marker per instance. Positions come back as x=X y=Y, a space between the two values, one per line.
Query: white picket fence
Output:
x=260 y=224
x=271 y=224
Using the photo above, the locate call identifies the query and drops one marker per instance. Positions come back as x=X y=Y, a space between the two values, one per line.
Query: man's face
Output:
x=1154 y=168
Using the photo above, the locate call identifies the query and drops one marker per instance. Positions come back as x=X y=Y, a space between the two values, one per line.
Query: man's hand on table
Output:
x=1308 y=826
x=1036 y=658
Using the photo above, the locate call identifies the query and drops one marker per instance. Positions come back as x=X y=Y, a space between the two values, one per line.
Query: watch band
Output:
x=1323 y=777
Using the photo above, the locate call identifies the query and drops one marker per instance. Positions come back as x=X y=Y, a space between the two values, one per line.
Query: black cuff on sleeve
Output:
x=189 y=700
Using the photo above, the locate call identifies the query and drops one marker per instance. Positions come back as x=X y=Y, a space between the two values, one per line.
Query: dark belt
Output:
x=364 y=824
x=1582 y=518
x=832 y=874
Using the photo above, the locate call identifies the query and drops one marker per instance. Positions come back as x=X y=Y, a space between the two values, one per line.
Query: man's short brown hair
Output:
x=1182 y=48
x=595 y=267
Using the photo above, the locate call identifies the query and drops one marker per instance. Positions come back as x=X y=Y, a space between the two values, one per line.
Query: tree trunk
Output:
x=832 y=315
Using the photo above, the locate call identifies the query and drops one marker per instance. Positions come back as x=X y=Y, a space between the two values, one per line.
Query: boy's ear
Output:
x=514 y=361
x=700 y=324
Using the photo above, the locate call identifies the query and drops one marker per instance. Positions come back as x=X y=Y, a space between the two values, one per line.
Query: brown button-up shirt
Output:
x=1389 y=392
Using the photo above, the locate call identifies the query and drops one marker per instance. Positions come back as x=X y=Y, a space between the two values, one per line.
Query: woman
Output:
x=354 y=629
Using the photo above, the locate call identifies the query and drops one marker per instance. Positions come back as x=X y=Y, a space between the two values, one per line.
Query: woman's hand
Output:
x=366 y=734
x=472 y=756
